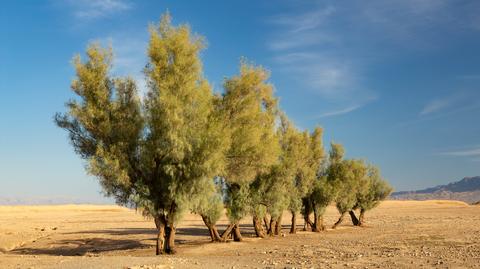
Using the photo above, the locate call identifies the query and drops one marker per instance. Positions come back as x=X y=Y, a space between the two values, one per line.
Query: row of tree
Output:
x=183 y=148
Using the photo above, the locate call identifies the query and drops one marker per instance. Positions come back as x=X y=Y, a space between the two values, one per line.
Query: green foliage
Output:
x=210 y=204
x=375 y=190
x=105 y=126
x=249 y=109
x=183 y=148
x=346 y=177
x=159 y=153
x=183 y=142
x=322 y=195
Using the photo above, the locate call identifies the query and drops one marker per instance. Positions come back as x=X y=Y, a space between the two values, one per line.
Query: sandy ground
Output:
x=399 y=234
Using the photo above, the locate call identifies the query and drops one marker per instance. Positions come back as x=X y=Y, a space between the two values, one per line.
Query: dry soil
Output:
x=398 y=234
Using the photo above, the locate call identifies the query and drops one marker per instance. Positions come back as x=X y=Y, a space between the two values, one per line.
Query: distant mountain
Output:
x=467 y=190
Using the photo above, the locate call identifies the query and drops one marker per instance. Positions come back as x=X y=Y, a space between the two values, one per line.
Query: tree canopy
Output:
x=183 y=148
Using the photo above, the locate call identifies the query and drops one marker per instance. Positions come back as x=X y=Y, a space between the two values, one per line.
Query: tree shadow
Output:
x=120 y=231
x=98 y=244
x=79 y=247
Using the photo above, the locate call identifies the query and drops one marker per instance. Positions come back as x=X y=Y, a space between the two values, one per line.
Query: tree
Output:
x=269 y=195
x=184 y=140
x=209 y=206
x=285 y=178
x=346 y=177
x=105 y=126
x=308 y=173
x=250 y=109
x=375 y=190
x=158 y=154
x=321 y=196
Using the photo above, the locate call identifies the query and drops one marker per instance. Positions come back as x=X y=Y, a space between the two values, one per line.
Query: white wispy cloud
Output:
x=340 y=112
x=305 y=48
x=299 y=40
x=305 y=21
x=469 y=152
x=92 y=9
x=435 y=105
x=322 y=74
x=301 y=30
x=460 y=100
x=129 y=56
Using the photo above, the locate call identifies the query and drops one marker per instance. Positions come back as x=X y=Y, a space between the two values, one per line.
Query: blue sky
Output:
x=397 y=82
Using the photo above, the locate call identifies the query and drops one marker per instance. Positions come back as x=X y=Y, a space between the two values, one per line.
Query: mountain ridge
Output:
x=466 y=189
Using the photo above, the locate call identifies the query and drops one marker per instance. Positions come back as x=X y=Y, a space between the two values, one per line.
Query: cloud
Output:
x=129 y=56
x=299 y=40
x=340 y=112
x=435 y=105
x=322 y=74
x=307 y=49
x=93 y=9
x=460 y=100
x=301 y=30
x=470 y=152
x=303 y=22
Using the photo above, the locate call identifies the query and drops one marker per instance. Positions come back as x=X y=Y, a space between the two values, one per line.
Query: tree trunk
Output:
x=265 y=220
x=227 y=232
x=278 y=225
x=160 y=223
x=271 y=228
x=338 y=221
x=293 y=228
x=307 y=205
x=307 y=226
x=318 y=224
x=212 y=229
x=361 y=218
x=237 y=236
x=170 y=239
x=355 y=221
x=257 y=224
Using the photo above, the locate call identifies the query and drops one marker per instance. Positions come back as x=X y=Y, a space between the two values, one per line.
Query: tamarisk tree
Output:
x=370 y=194
x=105 y=126
x=309 y=162
x=345 y=177
x=249 y=109
x=159 y=153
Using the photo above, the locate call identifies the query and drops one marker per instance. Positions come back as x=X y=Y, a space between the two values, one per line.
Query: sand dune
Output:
x=399 y=234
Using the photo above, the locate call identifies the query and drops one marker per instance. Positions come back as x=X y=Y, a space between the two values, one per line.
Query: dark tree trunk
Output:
x=307 y=226
x=339 y=221
x=361 y=218
x=307 y=205
x=237 y=236
x=227 y=232
x=318 y=224
x=212 y=229
x=257 y=224
x=170 y=239
x=278 y=225
x=293 y=228
x=271 y=228
x=355 y=221
x=265 y=220
x=160 y=223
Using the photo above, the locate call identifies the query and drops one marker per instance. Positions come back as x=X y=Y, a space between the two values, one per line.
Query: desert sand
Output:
x=398 y=234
